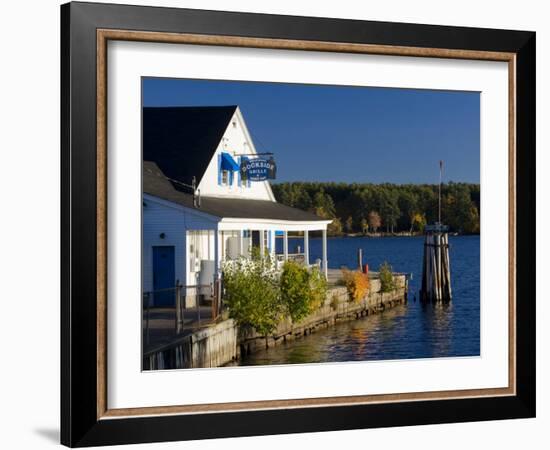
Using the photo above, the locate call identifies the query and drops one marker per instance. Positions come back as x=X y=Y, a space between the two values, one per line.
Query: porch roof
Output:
x=156 y=184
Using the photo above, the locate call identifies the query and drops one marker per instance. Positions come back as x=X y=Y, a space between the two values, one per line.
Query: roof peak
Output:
x=182 y=140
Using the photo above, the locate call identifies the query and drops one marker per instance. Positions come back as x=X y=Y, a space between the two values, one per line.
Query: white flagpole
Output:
x=440 y=177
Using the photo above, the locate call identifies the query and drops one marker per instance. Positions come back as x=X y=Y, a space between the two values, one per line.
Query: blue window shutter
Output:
x=231 y=177
x=239 y=175
x=219 y=169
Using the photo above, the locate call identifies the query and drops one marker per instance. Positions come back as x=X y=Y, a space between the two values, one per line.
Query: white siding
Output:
x=236 y=140
x=205 y=252
x=173 y=221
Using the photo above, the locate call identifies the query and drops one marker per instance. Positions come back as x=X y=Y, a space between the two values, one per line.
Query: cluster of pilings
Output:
x=436 y=271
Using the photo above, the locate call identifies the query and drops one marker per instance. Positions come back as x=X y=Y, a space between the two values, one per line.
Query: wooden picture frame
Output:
x=85 y=416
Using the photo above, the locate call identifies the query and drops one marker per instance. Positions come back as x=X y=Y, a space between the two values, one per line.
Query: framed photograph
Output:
x=276 y=224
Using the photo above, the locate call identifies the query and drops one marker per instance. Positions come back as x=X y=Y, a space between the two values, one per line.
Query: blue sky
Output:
x=348 y=134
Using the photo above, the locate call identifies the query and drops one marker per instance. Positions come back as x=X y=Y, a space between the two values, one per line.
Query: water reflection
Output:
x=438 y=319
x=375 y=337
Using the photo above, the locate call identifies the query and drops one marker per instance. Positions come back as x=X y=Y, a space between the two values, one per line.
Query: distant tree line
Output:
x=388 y=208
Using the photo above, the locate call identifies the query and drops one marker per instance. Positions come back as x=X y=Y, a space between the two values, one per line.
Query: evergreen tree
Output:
x=406 y=207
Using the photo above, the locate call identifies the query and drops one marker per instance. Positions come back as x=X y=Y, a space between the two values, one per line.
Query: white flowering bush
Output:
x=252 y=294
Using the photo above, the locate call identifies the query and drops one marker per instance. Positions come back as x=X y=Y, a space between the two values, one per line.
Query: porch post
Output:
x=272 y=242
x=325 y=262
x=262 y=242
x=306 y=247
x=285 y=245
x=216 y=253
x=241 y=243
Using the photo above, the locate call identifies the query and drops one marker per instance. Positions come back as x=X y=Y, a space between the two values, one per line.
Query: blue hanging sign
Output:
x=258 y=169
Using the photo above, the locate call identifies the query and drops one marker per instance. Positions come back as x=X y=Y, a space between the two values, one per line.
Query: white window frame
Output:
x=225 y=177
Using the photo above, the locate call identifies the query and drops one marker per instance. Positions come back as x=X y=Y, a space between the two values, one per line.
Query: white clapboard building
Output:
x=188 y=233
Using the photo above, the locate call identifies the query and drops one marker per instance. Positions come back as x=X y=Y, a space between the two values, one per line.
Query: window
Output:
x=225 y=177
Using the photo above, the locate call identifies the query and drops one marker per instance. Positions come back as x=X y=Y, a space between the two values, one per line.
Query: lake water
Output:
x=409 y=331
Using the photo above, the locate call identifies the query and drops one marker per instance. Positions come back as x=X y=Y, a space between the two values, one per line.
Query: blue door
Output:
x=164 y=276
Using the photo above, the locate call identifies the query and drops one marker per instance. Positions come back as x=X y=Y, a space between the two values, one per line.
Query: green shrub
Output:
x=251 y=292
x=319 y=286
x=295 y=290
x=302 y=290
x=258 y=296
x=387 y=283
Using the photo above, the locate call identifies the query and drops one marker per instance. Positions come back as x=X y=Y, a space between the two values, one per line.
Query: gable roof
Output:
x=156 y=184
x=182 y=140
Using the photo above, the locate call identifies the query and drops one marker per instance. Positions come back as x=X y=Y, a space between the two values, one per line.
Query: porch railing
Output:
x=173 y=312
x=298 y=257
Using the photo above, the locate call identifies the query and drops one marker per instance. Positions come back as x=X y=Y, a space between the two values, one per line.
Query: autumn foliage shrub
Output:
x=357 y=284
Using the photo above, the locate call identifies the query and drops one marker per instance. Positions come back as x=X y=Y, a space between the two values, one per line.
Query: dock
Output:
x=219 y=342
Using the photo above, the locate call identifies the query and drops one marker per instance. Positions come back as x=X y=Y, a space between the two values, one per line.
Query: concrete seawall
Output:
x=223 y=342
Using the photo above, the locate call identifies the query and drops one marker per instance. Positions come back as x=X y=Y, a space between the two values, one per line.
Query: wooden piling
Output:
x=436 y=272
